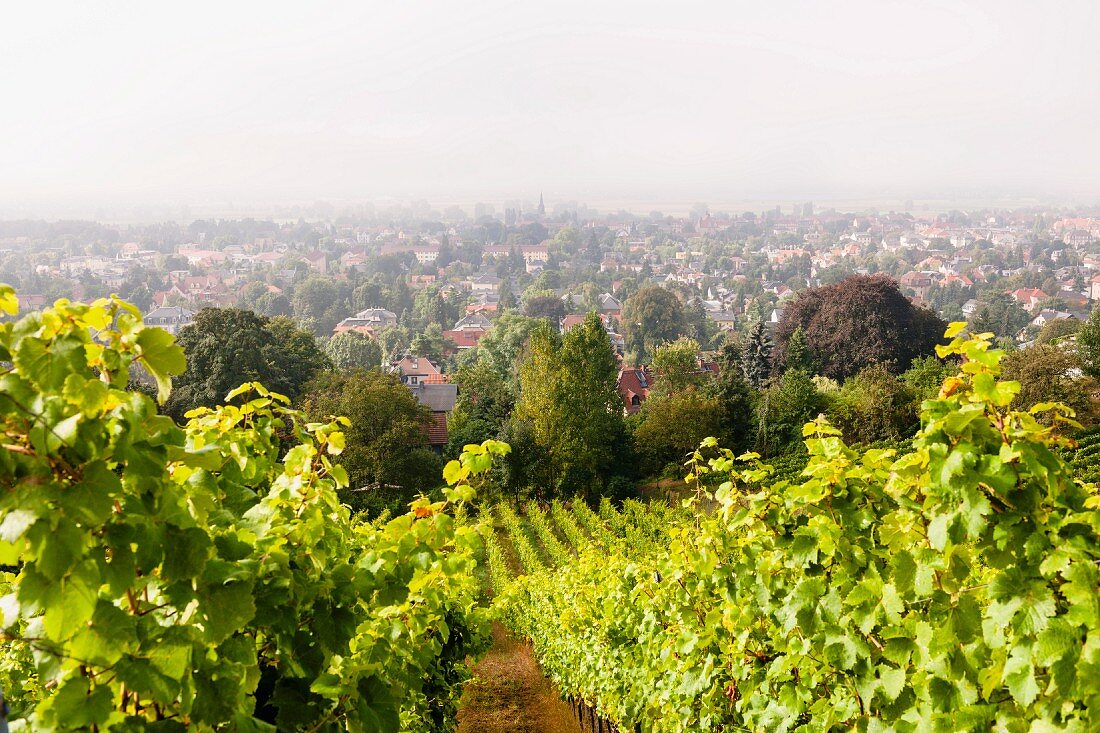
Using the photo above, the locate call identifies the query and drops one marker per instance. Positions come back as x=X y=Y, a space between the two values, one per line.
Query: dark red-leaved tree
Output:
x=857 y=322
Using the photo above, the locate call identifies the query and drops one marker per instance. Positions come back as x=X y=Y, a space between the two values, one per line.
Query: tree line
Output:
x=858 y=351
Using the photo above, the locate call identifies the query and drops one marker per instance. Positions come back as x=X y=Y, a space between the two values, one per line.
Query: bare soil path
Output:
x=510 y=694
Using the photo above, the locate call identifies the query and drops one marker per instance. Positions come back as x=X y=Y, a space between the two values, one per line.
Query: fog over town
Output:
x=244 y=106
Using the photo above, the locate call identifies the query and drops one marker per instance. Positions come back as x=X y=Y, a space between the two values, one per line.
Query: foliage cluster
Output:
x=226 y=347
x=387 y=458
x=352 y=350
x=951 y=587
x=857 y=322
x=206 y=577
x=569 y=413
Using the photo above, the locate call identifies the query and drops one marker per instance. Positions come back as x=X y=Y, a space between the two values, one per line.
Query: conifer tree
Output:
x=730 y=388
x=756 y=359
x=507 y=297
x=798 y=356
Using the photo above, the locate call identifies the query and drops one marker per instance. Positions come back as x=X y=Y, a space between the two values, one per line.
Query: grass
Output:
x=510 y=694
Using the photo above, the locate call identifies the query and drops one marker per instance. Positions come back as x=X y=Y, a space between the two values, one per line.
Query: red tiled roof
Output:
x=571 y=320
x=958 y=278
x=436 y=429
x=709 y=367
x=1028 y=294
x=632 y=383
x=466 y=338
x=416 y=365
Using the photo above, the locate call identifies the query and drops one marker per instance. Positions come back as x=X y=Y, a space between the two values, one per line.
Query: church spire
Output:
x=542 y=206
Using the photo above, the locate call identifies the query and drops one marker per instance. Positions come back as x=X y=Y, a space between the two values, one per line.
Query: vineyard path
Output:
x=510 y=694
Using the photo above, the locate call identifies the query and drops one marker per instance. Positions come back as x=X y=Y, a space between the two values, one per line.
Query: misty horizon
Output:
x=254 y=107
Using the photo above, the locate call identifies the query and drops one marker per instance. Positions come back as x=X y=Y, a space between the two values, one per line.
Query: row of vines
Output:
x=1084 y=455
x=951 y=585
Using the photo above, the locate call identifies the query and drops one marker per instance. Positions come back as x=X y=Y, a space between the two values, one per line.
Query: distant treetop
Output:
x=857 y=322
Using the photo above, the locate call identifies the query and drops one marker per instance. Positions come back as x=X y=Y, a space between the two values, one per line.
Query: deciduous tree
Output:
x=387 y=457
x=485 y=403
x=1088 y=344
x=676 y=365
x=782 y=410
x=317 y=298
x=1058 y=329
x=353 y=350
x=273 y=304
x=1050 y=373
x=502 y=346
x=227 y=346
x=548 y=307
x=431 y=343
x=875 y=405
x=672 y=425
x=651 y=317
x=857 y=322
x=568 y=398
x=925 y=375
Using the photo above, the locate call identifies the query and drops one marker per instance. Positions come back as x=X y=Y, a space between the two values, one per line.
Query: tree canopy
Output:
x=651 y=317
x=671 y=426
x=875 y=405
x=569 y=401
x=353 y=350
x=317 y=300
x=485 y=403
x=857 y=322
x=1058 y=329
x=1050 y=373
x=783 y=408
x=1088 y=344
x=738 y=424
x=998 y=313
x=549 y=307
x=227 y=346
x=501 y=347
x=676 y=365
x=386 y=451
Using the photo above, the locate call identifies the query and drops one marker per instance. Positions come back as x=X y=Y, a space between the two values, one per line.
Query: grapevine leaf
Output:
x=163 y=357
x=15 y=523
x=75 y=604
x=226 y=608
x=9 y=304
x=1019 y=677
x=892 y=681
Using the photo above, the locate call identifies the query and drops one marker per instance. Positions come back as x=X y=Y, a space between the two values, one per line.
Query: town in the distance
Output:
x=428 y=294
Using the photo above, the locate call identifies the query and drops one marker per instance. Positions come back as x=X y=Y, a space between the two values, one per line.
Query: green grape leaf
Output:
x=75 y=604
x=162 y=357
x=226 y=608
x=1019 y=677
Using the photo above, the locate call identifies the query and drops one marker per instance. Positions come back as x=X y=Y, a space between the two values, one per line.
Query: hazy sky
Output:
x=276 y=101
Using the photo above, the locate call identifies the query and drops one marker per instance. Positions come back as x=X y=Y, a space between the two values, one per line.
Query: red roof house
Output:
x=634 y=385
